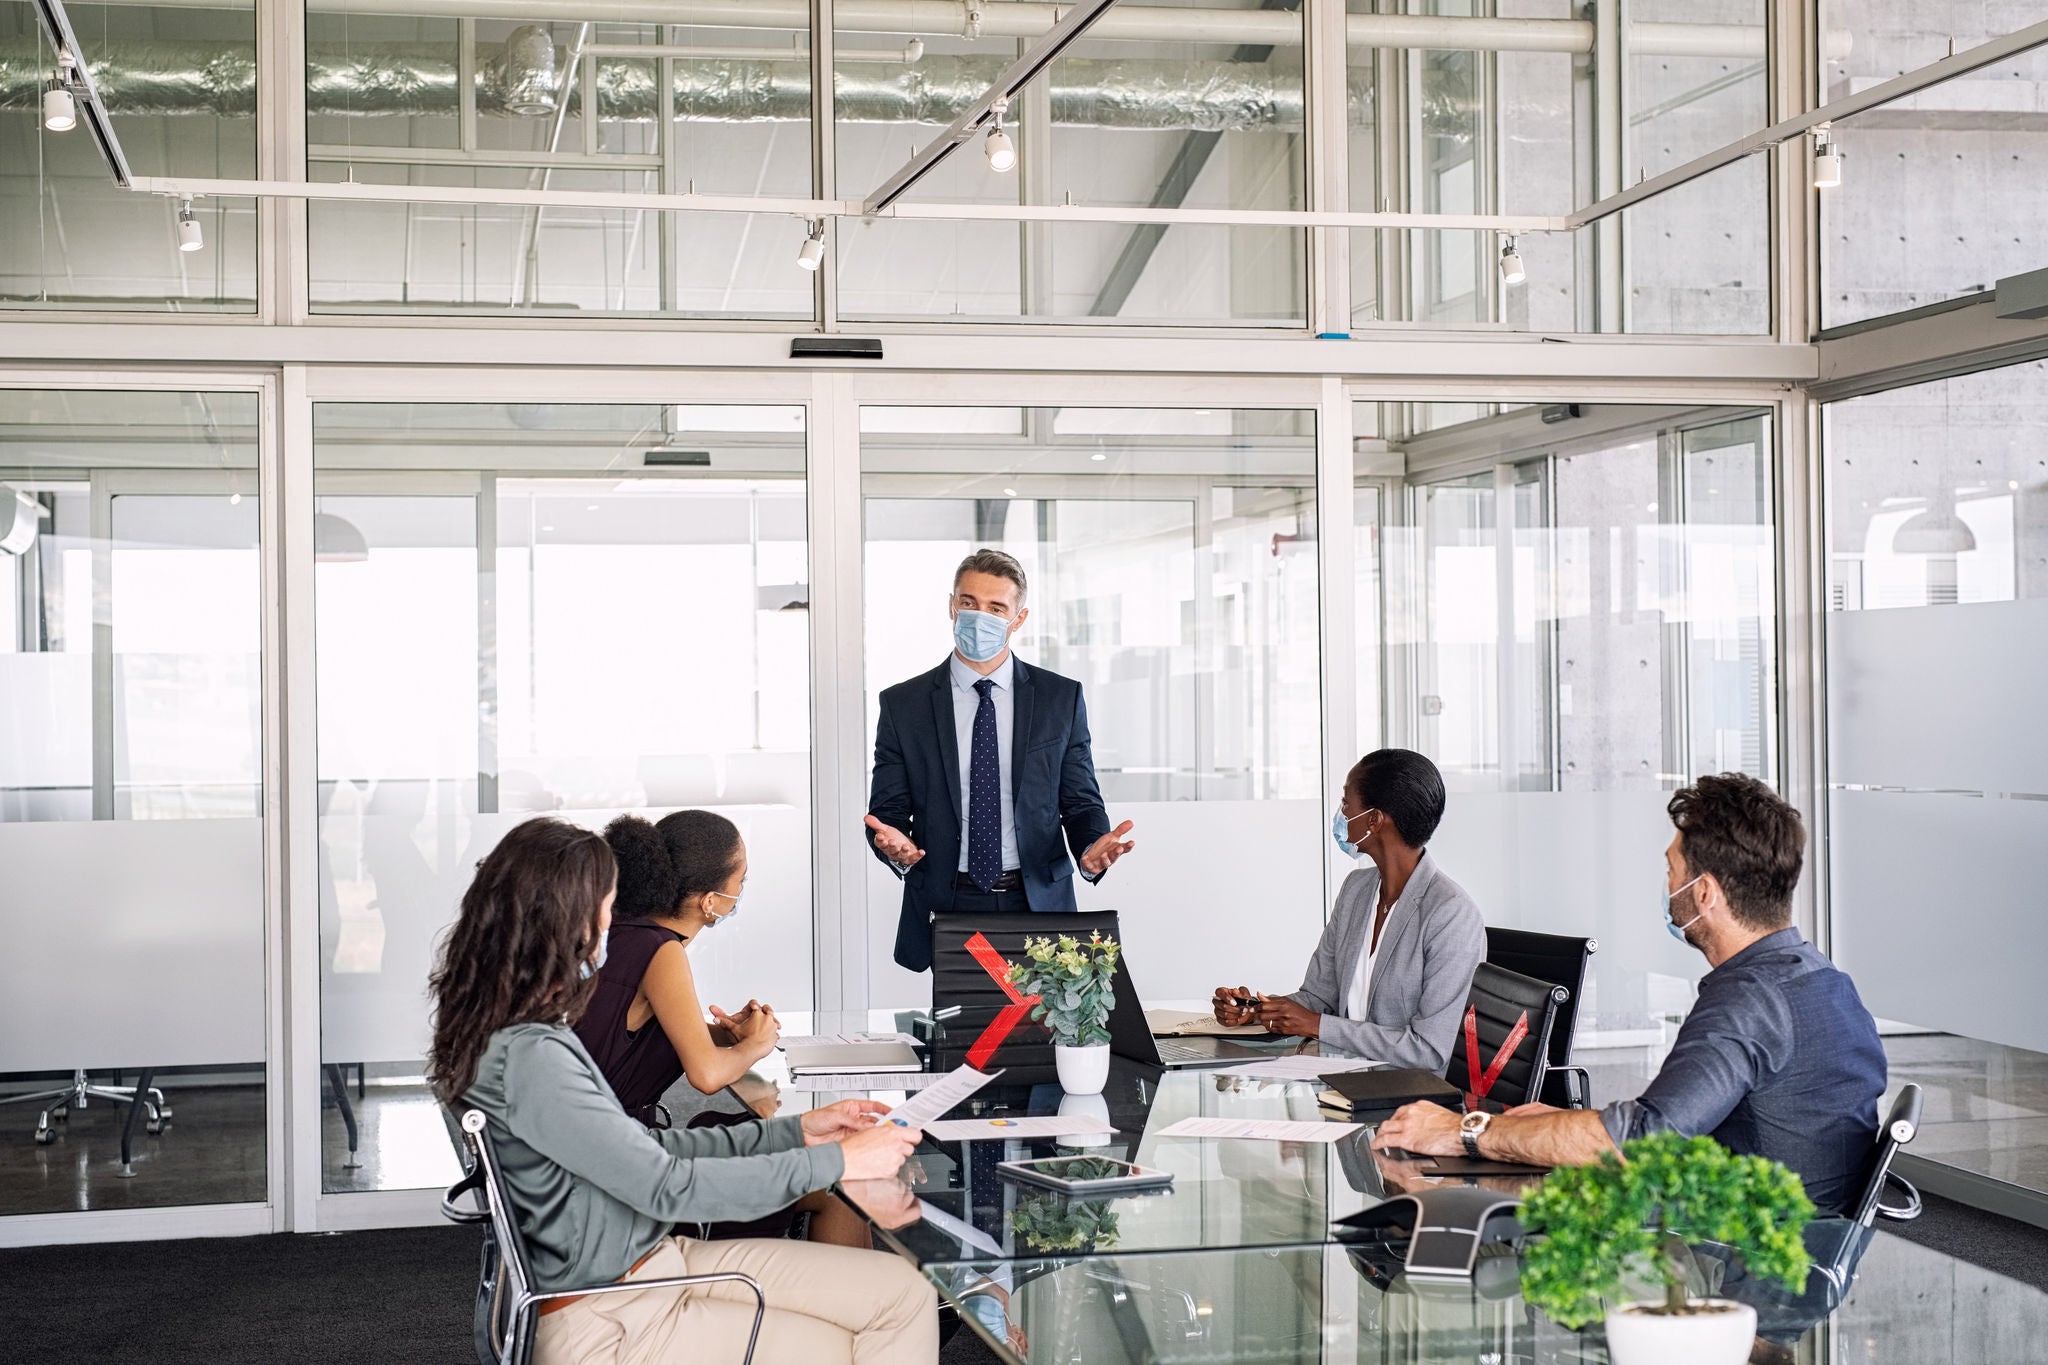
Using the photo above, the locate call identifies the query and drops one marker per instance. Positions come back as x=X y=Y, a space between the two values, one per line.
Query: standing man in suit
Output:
x=980 y=766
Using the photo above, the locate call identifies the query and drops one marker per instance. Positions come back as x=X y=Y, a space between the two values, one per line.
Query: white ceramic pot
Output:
x=1083 y=1070
x=1089 y=1106
x=1721 y=1334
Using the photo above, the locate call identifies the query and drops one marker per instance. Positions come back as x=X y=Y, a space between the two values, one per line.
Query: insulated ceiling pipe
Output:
x=199 y=78
x=1126 y=22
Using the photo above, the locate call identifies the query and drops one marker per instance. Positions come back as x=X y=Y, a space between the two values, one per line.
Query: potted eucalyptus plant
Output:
x=1075 y=985
x=1610 y=1223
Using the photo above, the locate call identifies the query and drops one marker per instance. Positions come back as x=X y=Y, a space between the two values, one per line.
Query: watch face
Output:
x=1474 y=1121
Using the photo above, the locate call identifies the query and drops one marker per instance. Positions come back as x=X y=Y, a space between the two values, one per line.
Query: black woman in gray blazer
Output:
x=1389 y=979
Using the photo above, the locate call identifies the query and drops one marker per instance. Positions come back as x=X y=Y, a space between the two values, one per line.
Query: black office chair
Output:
x=1837 y=1257
x=1559 y=959
x=1502 y=1002
x=1834 y=1245
x=507 y=1304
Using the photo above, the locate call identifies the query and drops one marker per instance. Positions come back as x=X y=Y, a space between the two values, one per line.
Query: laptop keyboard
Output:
x=1173 y=1050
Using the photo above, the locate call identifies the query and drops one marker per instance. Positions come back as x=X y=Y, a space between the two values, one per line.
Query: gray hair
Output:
x=994 y=563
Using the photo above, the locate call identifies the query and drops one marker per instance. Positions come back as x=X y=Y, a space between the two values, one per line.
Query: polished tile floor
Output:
x=1986 y=1112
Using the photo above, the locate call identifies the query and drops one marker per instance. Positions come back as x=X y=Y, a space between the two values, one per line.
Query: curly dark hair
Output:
x=685 y=854
x=527 y=923
x=1750 y=838
x=1405 y=787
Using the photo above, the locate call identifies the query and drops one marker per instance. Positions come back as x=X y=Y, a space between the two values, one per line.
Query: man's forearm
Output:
x=1566 y=1137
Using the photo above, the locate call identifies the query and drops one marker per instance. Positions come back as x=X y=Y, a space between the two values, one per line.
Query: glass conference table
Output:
x=1239 y=1262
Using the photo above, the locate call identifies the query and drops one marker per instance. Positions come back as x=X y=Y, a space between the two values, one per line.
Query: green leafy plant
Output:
x=1074 y=983
x=1643 y=1208
x=1054 y=1222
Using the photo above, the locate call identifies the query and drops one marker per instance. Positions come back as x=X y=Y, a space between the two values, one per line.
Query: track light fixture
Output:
x=60 y=111
x=1511 y=268
x=1827 y=162
x=189 y=236
x=811 y=254
x=1002 y=153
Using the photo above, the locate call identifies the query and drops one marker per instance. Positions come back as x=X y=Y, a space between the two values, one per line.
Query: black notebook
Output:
x=1386 y=1089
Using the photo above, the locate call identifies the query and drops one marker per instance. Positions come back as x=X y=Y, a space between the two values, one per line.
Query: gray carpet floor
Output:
x=400 y=1297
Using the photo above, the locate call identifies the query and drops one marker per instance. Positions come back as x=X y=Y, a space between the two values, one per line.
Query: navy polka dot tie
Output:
x=985 y=795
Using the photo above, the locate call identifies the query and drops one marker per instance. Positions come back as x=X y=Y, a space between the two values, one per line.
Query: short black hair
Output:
x=1405 y=787
x=686 y=854
x=995 y=563
x=1750 y=838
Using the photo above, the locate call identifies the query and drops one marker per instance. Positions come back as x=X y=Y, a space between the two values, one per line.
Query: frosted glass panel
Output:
x=1940 y=697
x=501 y=633
x=168 y=912
x=1580 y=863
x=1937 y=910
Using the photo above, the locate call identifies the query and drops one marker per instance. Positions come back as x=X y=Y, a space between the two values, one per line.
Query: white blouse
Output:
x=1359 y=993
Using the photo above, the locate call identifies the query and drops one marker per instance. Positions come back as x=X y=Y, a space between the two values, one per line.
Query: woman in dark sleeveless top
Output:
x=645 y=1026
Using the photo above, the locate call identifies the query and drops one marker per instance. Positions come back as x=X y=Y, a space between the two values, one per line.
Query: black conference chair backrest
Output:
x=1900 y=1126
x=1499 y=1003
x=1559 y=959
x=964 y=948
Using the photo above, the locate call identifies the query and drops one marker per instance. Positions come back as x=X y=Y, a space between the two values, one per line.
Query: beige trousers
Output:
x=827 y=1305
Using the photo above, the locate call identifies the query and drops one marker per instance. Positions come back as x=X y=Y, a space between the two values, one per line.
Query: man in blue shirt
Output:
x=984 y=796
x=1778 y=1057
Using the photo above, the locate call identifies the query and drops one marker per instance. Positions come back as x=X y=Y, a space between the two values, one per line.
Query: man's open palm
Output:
x=1106 y=850
x=894 y=844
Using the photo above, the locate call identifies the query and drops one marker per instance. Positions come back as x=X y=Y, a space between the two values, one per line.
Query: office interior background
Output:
x=395 y=513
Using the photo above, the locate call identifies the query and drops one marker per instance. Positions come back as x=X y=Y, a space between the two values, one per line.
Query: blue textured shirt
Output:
x=966 y=701
x=1777 y=1059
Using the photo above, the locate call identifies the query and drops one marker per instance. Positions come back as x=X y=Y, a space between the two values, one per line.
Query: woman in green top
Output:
x=597 y=1194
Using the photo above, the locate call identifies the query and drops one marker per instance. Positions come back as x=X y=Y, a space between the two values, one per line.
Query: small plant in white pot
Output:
x=1604 y=1225
x=1075 y=985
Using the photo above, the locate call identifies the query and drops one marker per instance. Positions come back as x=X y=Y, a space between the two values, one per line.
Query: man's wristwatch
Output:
x=1469 y=1129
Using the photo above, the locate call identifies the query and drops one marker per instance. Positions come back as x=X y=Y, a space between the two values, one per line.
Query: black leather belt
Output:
x=1013 y=880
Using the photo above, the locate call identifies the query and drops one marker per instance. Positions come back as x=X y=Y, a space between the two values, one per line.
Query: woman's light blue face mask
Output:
x=1340 y=831
x=978 y=635
x=592 y=966
x=730 y=914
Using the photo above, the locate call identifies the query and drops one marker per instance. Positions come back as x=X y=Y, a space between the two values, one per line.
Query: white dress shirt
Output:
x=1359 y=991
x=965 y=702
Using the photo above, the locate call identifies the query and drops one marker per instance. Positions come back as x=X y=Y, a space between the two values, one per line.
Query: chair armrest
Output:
x=455 y=1212
x=667 y=1282
x=1900 y=1213
x=1578 y=1087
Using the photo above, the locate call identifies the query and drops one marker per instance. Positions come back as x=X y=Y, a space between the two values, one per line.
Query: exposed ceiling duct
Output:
x=1213 y=96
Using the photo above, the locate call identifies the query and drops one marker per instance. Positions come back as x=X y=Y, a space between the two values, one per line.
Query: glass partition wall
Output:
x=132 y=802
x=1580 y=618
x=1173 y=572
x=1937 y=626
x=568 y=609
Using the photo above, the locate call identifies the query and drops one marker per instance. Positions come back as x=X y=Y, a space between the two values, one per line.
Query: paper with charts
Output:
x=1267 y=1130
x=1032 y=1126
x=944 y=1094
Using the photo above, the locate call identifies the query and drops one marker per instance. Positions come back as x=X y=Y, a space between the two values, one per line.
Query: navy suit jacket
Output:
x=917 y=790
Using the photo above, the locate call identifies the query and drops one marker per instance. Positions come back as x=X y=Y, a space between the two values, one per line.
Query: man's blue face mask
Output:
x=979 y=636
x=1678 y=930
